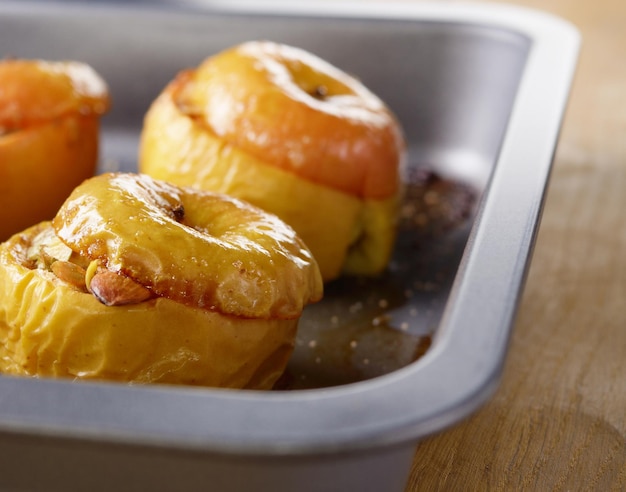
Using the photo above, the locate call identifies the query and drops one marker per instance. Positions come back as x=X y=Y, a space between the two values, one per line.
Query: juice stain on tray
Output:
x=367 y=327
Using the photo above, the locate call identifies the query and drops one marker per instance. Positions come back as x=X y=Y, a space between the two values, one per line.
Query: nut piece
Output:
x=70 y=273
x=114 y=289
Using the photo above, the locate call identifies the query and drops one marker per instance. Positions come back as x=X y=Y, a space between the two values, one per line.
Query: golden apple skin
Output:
x=49 y=328
x=193 y=246
x=49 y=130
x=245 y=123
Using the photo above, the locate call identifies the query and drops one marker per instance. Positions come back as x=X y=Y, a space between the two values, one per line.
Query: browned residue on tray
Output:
x=357 y=333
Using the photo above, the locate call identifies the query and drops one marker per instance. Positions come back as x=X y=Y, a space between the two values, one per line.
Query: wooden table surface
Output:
x=558 y=419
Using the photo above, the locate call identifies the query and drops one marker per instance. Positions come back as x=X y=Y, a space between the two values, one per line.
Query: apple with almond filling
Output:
x=282 y=129
x=141 y=281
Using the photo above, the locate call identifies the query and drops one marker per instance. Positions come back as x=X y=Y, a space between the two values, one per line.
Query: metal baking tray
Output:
x=379 y=364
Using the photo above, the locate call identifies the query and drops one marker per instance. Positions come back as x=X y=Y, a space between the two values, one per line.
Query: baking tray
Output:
x=379 y=364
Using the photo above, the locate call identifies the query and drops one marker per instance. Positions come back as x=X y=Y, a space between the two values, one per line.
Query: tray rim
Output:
x=415 y=401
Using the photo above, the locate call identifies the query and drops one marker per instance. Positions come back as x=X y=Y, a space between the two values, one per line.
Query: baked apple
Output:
x=282 y=129
x=49 y=126
x=141 y=281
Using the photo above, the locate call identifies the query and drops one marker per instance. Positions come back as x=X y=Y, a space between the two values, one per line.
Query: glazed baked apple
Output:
x=282 y=129
x=141 y=281
x=49 y=130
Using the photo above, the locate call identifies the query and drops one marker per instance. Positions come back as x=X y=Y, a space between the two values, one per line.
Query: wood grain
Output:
x=558 y=419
